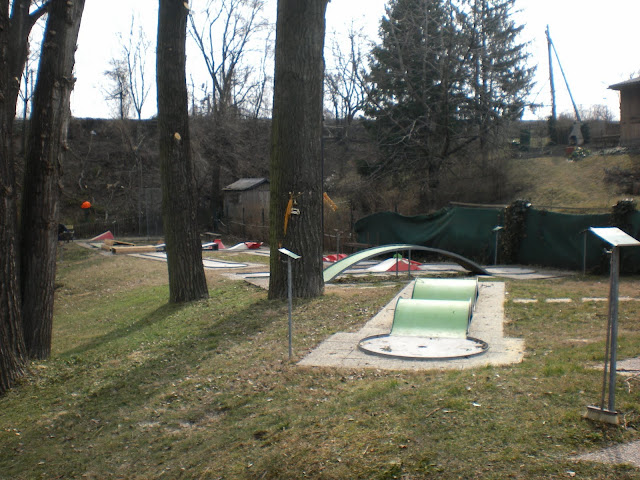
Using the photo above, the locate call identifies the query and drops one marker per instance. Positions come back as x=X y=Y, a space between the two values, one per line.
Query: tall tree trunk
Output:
x=12 y=351
x=296 y=157
x=46 y=148
x=184 y=252
x=19 y=27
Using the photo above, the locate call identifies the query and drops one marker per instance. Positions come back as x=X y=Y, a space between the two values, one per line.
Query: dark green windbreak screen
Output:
x=630 y=257
x=465 y=231
x=550 y=239
x=557 y=239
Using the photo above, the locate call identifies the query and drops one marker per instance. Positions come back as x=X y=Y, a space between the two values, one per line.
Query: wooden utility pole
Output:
x=553 y=91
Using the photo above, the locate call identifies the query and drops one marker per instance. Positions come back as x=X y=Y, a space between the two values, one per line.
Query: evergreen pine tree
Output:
x=446 y=77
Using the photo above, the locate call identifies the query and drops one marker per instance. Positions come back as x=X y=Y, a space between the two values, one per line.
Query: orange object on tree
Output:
x=85 y=205
x=287 y=212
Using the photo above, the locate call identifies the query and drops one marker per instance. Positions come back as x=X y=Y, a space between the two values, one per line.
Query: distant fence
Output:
x=144 y=226
x=246 y=231
x=544 y=238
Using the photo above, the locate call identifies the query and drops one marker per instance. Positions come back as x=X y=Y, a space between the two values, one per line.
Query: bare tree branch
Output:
x=223 y=39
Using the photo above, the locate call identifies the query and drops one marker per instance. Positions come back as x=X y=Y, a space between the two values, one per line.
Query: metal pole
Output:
x=584 y=254
x=496 y=229
x=146 y=209
x=605 y=373
x=613 y=314
x=289 y=295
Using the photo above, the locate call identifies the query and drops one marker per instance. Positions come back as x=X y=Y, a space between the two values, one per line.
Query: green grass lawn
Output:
x=139 y=389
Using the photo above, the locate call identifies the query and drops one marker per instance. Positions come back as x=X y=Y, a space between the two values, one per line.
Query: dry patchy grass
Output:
x=140 y=389
x=558 y=182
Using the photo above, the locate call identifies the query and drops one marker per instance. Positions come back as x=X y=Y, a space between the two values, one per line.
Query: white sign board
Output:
x=615 y=237
x=289 y=253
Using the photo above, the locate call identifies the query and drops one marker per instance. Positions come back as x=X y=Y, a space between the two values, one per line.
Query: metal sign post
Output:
x=616 y=238
x=496 y=230
x=584 y=251
x=290 y=255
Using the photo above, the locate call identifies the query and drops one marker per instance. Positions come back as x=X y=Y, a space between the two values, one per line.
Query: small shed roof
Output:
x=634 y=82
x=245 y=184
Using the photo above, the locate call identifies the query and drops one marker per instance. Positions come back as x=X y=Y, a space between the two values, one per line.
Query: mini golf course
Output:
x=337 y=268
x=432 y=324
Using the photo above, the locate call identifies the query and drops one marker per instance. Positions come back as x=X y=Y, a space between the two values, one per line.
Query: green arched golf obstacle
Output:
x=432 y=324
x=337 y=268
x=443 y=306
x=447 y=289
x=433 y=318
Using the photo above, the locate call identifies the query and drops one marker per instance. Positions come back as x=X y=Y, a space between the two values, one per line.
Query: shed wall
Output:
x=247 y=208
x=630 y=117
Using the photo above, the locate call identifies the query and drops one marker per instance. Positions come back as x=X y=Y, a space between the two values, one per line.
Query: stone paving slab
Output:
x=628 y=453
x=631 y=365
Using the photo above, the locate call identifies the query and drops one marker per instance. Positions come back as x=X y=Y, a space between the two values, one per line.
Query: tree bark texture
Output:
x=184 y=252
x=296 y=156
x=12 y=351
x=43 y=163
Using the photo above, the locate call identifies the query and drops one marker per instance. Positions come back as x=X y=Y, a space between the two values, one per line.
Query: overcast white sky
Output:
x=594 y=39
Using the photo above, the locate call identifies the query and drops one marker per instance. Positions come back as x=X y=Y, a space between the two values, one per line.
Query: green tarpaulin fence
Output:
x=465 y=231
x=550 y=239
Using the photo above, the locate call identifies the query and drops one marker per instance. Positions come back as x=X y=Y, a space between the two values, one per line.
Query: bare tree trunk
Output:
x=46 y=147
x=12 y=351
x=19 y=28
x=296 y=158
x=184 y=252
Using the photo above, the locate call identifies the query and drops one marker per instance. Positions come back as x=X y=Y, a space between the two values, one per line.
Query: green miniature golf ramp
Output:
x=431 y=318
x=446 y=289
x=337 y=268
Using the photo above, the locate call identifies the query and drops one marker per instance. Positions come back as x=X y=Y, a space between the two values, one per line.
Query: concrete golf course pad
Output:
x=341 y=349
x=433 y=326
